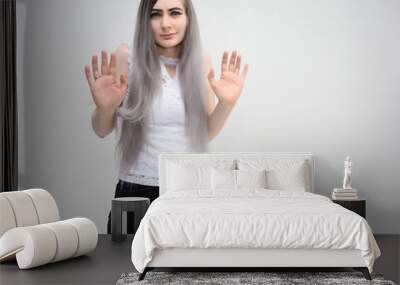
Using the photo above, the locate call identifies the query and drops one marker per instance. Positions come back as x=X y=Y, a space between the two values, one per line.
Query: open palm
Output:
x=106 y=91
x=229 y=87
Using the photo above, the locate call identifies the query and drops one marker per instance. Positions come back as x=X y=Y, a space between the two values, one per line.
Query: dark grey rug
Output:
x=270 y=278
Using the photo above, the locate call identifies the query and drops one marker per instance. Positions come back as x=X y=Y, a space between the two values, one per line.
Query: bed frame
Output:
x=248 y=259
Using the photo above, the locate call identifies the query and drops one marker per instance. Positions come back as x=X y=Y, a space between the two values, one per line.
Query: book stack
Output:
x=344 y=194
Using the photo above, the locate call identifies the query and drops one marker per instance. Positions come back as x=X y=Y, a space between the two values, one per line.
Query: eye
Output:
x=156 y=14
x=175 y=13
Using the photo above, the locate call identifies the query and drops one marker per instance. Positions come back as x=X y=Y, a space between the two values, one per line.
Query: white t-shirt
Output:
x=165 y=131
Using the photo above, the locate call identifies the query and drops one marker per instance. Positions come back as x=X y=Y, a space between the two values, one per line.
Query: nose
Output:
x=165 y=22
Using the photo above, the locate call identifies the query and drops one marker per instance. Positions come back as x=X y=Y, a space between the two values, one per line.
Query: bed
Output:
x=246 y=210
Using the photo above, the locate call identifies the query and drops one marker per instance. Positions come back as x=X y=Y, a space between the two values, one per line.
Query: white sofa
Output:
x=31 y=231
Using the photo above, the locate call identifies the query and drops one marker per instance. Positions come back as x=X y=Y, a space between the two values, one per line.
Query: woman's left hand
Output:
x=229 y=87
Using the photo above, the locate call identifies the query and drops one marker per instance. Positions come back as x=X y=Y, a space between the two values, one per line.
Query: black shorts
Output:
x=128 y=189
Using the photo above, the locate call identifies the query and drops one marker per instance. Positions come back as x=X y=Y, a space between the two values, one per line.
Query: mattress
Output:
x=250 y=218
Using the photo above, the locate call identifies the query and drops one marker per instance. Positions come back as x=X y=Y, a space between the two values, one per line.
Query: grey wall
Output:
x=324 y=77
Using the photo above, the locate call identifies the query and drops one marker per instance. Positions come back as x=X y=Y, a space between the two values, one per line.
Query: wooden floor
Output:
x=111 y=259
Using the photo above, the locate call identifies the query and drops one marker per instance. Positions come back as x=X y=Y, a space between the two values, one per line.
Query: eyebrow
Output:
x=171 y=9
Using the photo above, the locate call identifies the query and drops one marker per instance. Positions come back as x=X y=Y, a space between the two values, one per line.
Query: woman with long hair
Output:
x=159 y=94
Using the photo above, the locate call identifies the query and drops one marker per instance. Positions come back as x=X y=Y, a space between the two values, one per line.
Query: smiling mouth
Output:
x=167 y=36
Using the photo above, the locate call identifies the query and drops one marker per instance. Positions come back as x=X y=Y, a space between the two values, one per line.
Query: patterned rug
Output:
x=269 y=278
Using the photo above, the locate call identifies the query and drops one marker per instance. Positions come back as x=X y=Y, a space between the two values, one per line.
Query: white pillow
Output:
x=223 y=179
x=288 y=179
x=282 y=174
x=229 y=179
x=193 y=173
x=251 y=178
x=188 y=177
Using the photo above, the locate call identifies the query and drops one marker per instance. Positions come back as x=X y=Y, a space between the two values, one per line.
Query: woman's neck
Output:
x=173 y=52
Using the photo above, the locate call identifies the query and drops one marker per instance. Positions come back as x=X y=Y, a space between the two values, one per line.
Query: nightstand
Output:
x=138 y=205
x=358 y=206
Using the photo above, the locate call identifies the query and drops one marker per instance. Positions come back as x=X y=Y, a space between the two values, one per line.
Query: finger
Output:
x=224 y=64
x=104 y=63
x=117 y=71
x=89 y=76
x=95 y=67
x=112 y=64
x=232 y=62
x=238 y=62
x=245 y=71
x=211 y=77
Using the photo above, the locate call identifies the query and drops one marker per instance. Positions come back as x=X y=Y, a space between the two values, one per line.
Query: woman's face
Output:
x=169 y=22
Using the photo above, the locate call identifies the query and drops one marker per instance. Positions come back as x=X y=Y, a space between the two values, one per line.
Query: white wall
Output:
x=323 y=78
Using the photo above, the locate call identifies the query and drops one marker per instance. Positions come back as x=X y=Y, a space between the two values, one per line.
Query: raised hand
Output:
x=229 y=87
x=107 y=91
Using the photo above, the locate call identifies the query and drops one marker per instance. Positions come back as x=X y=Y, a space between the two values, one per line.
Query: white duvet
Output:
x=251 y=218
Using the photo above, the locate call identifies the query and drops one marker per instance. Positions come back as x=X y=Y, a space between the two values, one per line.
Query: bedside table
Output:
x=358 y=206
x=138 y=205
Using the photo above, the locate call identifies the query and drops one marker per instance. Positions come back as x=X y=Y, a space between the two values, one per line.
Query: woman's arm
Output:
x=103 y=121
x=227 y=89
x=215 y=120
x=211 y=95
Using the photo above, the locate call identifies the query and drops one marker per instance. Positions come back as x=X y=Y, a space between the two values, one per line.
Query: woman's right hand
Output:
x=106 y=92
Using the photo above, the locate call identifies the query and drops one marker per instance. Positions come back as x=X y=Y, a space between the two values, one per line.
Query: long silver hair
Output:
x=145 y=85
